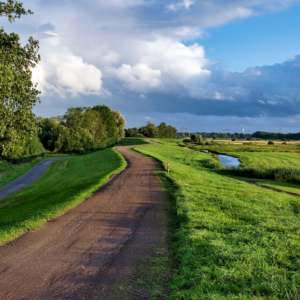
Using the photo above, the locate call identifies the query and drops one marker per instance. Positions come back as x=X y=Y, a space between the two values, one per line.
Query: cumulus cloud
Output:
x=63 y=72
x=139 y=77
x=149 y=47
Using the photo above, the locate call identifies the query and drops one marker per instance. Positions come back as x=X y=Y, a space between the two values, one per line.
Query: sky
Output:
x=200 y=65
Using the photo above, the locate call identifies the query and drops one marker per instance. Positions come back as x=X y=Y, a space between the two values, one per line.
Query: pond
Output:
x=229 y=161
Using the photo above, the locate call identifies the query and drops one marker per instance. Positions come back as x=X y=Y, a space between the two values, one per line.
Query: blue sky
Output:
x=209 y=65
x=261 y=40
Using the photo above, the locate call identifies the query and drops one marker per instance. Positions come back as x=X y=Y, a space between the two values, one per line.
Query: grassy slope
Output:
x=234 y=240
x=67 y=183
x=9 y=171
x=283 y=186
x=267 y=160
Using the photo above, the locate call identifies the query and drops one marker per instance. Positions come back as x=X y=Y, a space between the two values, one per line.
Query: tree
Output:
x=82 y=129
x=120 y=122
x=49 y=132
x=18 y=94
x=166 y=131
x=150 y=130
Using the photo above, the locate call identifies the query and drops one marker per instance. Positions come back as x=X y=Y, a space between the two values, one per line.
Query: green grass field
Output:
x=268 y=160
x=234 y=240
x=67 y=183
x=10 y=171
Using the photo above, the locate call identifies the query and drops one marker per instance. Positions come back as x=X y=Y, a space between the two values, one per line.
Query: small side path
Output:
x=33 y=175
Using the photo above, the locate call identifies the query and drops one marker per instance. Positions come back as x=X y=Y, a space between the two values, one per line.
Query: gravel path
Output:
x=90 y=252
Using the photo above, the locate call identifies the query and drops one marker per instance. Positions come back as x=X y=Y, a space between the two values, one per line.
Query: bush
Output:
x=270 y=143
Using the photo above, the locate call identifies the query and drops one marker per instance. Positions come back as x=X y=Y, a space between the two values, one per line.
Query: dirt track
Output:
x=92 y=250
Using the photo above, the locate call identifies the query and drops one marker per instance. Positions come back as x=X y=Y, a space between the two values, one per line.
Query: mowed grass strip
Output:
x=234 y=240
x=66 y=184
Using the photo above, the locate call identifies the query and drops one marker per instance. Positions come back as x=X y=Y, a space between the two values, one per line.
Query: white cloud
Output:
x=90 y=44
x=173 y=58
x=63 y=72
x=139 y=77
x=186 y=4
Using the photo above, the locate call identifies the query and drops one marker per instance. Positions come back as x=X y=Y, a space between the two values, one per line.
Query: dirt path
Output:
x=89 y=252
x=33 y=175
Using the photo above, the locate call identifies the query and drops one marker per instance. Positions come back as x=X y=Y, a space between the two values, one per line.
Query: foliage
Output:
x=13 y=9
x=132 y=142
x=48 y=129
x=18 y=95
x=276 y=136
x=234 y=240
x=82 y=129
x=152 y=131
x=67 y=183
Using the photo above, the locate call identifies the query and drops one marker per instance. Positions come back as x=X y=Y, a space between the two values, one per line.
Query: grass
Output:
x=10 y=171
x=66 y=184
x=278 y=162
x=248 y=147
x=267 y=160
x=281 y=186
x=233 y=240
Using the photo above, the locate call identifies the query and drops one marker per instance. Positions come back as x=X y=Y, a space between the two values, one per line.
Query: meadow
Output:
x=233 y=239
x=67 y=183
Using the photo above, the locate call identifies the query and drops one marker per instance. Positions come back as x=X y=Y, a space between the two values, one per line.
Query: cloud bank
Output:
x=146 y=56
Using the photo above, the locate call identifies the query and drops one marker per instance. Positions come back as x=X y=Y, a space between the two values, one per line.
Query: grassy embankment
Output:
x=233 y=240
x=278 y=162
x=67 y=183
x=10 y=171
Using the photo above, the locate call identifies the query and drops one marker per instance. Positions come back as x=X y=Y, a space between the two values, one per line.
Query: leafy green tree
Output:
x=48 y=132
x=166 y=131
x=83 y=129
x=150 y=130
x=18 y=94
x=120 y=122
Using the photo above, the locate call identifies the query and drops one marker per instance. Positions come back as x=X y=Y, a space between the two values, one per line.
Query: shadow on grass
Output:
x=132 y=142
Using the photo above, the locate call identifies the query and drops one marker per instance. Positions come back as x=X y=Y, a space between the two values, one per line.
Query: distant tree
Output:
x=194 y=138
x=18 y=94
x=150 y=130
x=166 y=131
x=48 y=130
x=132 y=132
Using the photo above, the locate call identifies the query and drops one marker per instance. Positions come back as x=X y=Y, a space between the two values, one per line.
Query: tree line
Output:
x=258 y=135
x=82 y=129
x=152 y=131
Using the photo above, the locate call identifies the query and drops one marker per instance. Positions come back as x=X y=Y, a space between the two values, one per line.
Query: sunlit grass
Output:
x=234 y=240
x=67 y=183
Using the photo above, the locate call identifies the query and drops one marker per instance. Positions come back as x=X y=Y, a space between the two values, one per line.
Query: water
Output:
x=229 y=161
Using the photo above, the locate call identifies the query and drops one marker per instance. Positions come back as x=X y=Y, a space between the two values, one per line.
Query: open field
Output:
x=234 y=239
x=262 y=146
x=67 y=183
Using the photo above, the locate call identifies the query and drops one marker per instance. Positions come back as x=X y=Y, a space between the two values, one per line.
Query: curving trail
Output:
x=30 y=177
x=92 y=250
